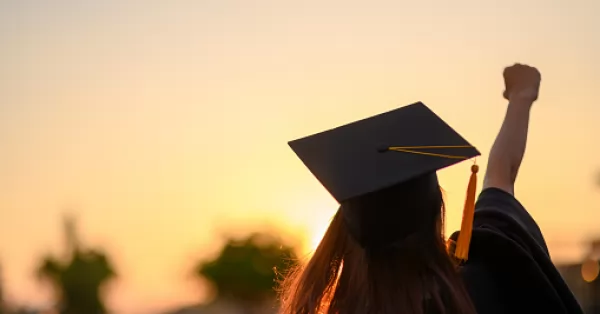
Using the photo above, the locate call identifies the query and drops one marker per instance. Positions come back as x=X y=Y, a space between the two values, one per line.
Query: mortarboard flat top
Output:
x=353 y=159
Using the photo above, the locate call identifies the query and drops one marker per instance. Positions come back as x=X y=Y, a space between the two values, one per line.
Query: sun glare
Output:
x=319 y=228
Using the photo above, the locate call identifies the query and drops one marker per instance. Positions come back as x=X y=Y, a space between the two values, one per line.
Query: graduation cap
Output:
x=390 y=149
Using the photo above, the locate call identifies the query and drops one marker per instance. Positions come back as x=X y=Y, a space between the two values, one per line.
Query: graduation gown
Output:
x=509 y=268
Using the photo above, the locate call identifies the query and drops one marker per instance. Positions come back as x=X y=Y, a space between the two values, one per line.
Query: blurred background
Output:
x=144 y=165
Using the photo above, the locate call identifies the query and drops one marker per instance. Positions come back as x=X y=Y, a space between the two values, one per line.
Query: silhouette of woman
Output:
x=384 y=251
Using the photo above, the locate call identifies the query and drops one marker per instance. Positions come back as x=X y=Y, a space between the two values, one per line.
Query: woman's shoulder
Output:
x=515 y=284
x=509 y=264
x=499 y=211
x=484 y=289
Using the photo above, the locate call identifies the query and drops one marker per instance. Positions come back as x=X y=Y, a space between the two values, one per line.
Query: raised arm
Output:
x=522 y=87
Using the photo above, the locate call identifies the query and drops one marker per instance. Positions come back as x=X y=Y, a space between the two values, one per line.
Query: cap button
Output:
x=383 y=148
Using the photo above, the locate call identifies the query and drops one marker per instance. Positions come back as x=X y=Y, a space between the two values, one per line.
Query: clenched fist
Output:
x=522 y=82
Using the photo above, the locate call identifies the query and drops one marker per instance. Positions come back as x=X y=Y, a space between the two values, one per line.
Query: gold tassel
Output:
x=466 y=229
x=458 y=249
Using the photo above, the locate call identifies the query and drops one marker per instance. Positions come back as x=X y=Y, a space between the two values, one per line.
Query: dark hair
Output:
x=410 y=274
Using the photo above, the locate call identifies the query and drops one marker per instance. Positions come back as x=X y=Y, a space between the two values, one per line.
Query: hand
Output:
x=522 y=83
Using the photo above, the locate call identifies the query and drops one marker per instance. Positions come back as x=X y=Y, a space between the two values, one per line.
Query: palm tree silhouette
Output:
x=79 y=277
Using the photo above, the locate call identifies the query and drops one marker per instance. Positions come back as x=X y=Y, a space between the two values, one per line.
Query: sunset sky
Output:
x=163 y=125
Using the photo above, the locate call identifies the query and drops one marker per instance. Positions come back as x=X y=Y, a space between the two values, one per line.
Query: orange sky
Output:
x=163 y=124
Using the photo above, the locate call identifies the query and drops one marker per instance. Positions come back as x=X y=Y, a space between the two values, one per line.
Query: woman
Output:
x=384 y=251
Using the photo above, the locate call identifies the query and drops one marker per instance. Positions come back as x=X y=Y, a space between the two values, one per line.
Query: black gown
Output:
x=509 y=268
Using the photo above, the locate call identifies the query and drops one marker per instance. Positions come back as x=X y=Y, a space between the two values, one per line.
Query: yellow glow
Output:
x=161 y=119
x=318 y=233
x=590 y=270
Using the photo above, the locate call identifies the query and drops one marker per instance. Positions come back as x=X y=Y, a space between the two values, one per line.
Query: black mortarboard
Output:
x=355 y=159
x=379 y=152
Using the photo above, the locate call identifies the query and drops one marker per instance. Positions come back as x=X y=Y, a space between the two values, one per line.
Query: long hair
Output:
x=414 y=276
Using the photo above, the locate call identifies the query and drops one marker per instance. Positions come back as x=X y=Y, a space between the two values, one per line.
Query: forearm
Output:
x=509 y=147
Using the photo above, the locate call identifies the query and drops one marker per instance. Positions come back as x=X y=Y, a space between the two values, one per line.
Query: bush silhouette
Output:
x=247 y=270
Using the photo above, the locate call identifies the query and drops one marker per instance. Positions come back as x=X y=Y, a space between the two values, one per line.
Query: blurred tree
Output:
x=79 y=278
x=246 y=270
